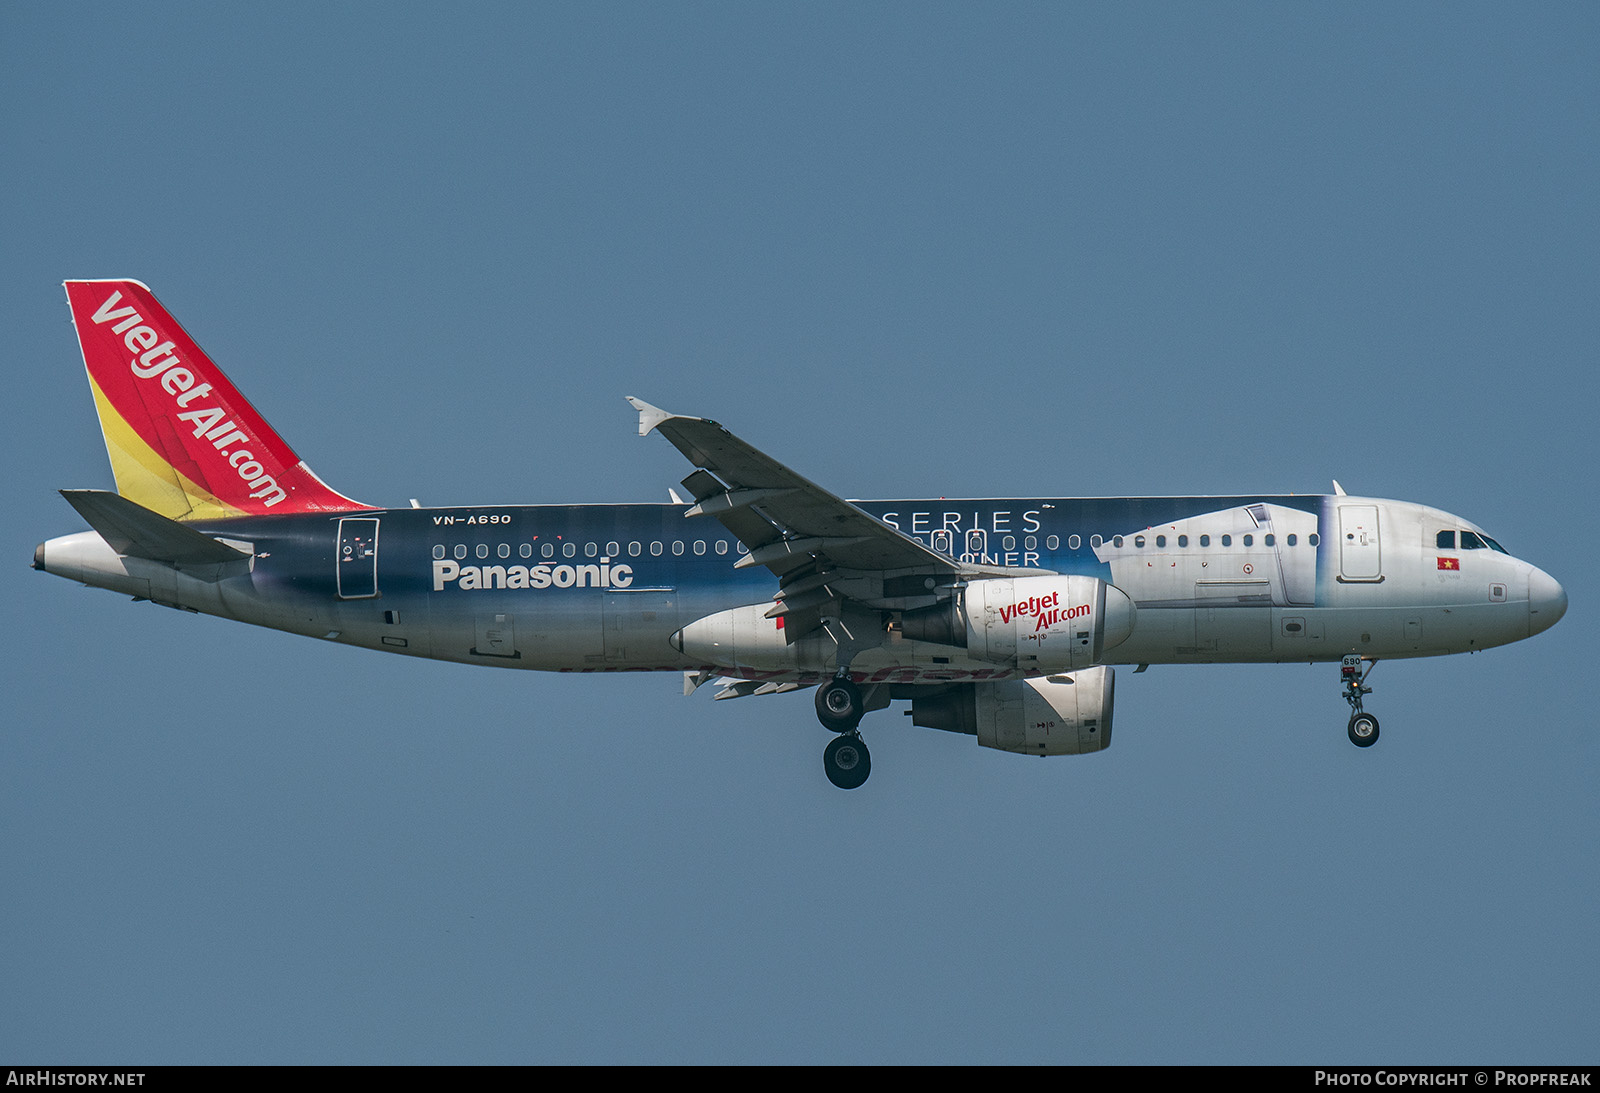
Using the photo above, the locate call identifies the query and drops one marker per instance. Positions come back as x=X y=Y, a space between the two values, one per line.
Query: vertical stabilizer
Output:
x=183 y=441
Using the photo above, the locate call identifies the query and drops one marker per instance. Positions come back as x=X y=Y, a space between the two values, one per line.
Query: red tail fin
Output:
x=183 y=441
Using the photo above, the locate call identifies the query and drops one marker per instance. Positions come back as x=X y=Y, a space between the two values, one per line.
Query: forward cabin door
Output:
x=357 y=565
x=1360 y=553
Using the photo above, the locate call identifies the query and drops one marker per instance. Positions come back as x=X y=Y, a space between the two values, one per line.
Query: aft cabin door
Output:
x=358 y=558
x=1360 y=557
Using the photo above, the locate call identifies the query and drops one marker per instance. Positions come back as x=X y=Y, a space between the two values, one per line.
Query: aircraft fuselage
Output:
x=605 y=587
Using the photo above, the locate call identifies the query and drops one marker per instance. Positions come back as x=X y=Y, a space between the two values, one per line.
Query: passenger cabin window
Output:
x=547 y=551
x=1227 y=540
x=1269 y=540
x=1183 y=540
x=1293 y=538
x=1161 y=540
x=1095 y=541
x=1205 y=540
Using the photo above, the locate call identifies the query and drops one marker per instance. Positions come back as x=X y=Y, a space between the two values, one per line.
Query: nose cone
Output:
x=1547 y=601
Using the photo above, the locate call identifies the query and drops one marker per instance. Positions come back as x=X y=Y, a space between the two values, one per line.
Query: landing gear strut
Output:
x=1363 y=726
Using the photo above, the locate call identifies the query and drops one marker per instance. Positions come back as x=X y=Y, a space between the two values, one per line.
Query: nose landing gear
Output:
x=1363 y=727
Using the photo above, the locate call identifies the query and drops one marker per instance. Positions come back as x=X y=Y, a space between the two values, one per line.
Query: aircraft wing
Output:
x=822 y=548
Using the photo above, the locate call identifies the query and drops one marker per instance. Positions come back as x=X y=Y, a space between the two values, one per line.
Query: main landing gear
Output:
x=847 y=761
x=1363 y=726
x=840 y=707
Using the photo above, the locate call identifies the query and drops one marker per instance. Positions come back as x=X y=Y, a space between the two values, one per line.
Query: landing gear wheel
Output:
x=839 y=705
x=1363 y=730
x=847 y=761
x=1363 y=726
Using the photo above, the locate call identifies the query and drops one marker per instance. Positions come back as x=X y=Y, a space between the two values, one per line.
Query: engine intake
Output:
x=1046 y=624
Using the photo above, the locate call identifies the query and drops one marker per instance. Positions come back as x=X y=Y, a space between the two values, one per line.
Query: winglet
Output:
x=1338 y=490
x=649 y=416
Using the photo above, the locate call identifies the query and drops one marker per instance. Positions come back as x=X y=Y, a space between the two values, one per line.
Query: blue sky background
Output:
x=912 y=250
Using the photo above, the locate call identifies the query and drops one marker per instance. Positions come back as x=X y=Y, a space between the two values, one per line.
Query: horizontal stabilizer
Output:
x=134 y=530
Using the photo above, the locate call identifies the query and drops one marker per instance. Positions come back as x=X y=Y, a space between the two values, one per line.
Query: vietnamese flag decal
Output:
x=1450 y=563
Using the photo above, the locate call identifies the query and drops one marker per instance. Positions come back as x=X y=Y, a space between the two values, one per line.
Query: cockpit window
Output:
x=1470 y=540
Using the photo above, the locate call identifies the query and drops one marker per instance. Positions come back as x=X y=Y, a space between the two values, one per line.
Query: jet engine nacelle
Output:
x=1057 y=715
x=1038 y=624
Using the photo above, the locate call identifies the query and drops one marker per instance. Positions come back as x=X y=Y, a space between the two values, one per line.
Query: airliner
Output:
x=999 y=618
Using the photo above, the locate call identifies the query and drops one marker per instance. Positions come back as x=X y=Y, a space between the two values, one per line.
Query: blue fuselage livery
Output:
x=998 y=618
